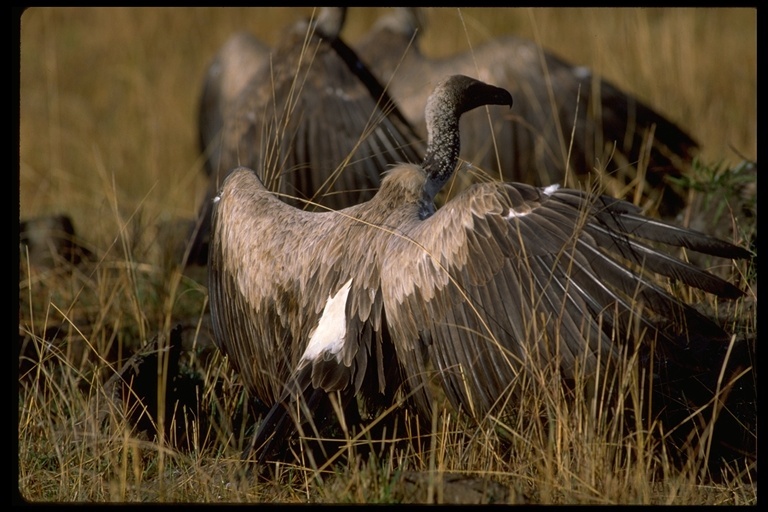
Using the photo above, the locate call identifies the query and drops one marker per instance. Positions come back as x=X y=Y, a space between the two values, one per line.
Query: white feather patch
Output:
x=524 y=209
x=551 y=189
x=518 y=213
x=329 y=334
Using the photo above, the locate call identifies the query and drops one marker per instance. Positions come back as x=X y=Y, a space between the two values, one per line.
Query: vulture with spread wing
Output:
x=503 y=277
x=565 y=117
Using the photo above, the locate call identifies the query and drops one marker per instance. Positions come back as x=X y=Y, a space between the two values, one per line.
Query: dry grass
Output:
x=108 y=136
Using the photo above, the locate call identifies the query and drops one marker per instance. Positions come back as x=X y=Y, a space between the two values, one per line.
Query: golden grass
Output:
x=108 y=136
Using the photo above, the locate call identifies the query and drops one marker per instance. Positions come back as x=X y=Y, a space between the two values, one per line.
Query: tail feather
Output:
x=279 y=424
x=282 y=422
x=301 y=409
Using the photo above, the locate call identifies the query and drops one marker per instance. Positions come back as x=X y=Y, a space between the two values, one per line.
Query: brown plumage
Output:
x=502 y=277
x=533 y=144
x=314 y=123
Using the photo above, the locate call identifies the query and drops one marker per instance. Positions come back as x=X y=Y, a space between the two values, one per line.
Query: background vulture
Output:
x=312 y=120
x=566 y=122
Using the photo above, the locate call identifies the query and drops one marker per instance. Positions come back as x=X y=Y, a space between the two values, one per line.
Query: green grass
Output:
x=108 y=136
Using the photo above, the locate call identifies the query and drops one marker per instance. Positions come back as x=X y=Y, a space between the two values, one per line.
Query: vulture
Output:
x=554 y=99
x=312 y=120
x=351 y=305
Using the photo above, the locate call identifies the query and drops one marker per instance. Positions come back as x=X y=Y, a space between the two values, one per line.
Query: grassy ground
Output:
x=108 y=136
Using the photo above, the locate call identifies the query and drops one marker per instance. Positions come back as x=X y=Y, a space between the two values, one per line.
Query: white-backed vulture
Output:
x=313 y=122
x=503 y=277
x=534 y=144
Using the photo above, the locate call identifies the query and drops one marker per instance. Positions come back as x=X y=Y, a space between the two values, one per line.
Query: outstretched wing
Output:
x=252 y=287
x=296 y=309
x=264 y=303
x=509 y=275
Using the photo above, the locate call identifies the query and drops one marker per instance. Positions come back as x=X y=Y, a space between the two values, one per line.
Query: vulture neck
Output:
x=451 y=98
x=443 y=146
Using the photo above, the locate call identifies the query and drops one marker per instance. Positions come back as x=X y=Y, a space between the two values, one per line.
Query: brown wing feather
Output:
x=507 y=275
